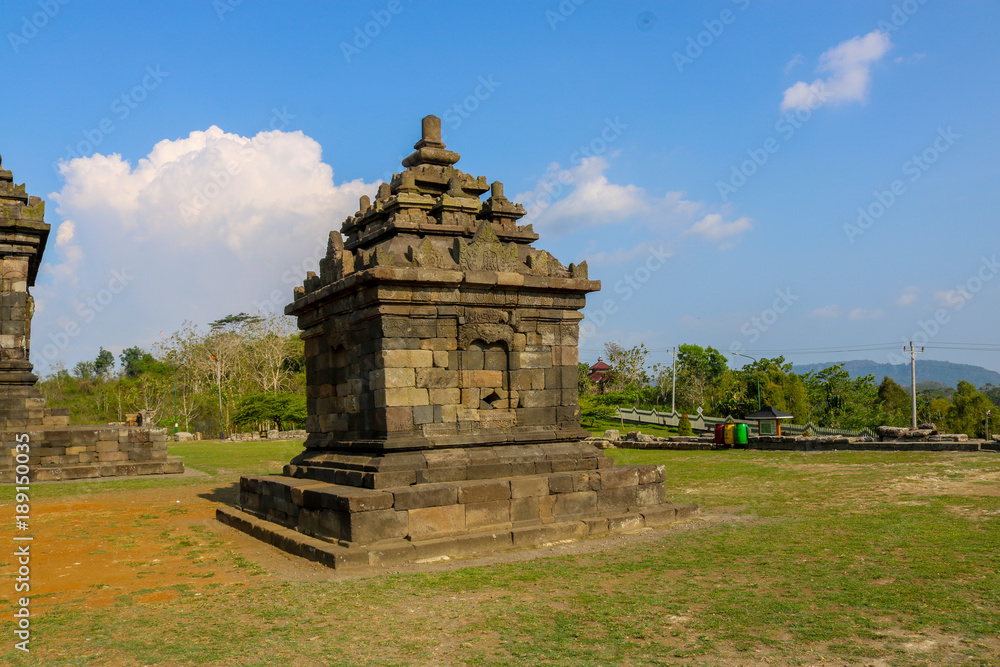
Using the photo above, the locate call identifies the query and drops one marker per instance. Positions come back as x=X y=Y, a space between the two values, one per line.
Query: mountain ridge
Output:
x=929 y=370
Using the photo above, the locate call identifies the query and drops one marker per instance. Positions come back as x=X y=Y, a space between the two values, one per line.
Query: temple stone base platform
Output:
x=59 y=453
x=544 y=494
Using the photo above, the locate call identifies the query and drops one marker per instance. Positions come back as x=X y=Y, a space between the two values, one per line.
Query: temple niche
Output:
x=441 y=369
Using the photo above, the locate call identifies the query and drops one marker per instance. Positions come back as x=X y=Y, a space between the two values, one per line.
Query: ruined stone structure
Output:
x=57 y=451
x=441 y=360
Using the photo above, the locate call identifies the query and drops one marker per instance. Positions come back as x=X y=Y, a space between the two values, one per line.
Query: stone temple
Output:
x=57 y=451
x=441 y=367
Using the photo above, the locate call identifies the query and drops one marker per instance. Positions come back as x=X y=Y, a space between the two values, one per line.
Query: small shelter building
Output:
x=768 y=420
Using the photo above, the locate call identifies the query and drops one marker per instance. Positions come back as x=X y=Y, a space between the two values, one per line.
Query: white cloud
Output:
x=567 y=200
x=849 y=66
x=912 y=60
x=797 y=59
x=203 y=226
x=950 y=298
x=863 y=314
x=620 y=255
x=832 y=310
x=908 y=296
x=714 y=227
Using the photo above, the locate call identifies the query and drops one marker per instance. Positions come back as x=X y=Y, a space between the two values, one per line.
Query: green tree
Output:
x=583 y=383
x=840 y=402
x=104 y=363
x=285 y=410
x=84 y=370
x=895 y=401
x=699 y=372
x=684 y=425
x=967 y=412
x=628 y=366
x=992 y=393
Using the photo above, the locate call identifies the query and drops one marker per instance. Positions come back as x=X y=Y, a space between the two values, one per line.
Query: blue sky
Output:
x=710 y=160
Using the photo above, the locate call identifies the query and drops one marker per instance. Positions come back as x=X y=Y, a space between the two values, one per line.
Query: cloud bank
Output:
x=848 y=66
x=203 y=226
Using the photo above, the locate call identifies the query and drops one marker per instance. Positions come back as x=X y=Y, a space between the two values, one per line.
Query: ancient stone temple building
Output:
x=23 y=233
x=441 y=361
x=57 y=451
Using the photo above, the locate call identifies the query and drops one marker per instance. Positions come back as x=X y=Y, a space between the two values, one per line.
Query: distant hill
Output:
x=944 y=372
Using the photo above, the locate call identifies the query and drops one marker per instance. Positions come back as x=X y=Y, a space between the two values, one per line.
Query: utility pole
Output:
x=913 y=381
x=758 y=377
x=673 y=387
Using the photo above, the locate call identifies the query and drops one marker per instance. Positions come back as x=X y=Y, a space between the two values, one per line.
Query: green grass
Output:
x=823 y=558
x=220 y=460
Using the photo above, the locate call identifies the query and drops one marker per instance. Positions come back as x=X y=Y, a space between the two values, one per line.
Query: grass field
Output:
x=836 y=558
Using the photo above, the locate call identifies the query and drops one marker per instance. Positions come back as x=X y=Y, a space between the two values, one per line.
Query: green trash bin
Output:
x=741 y=435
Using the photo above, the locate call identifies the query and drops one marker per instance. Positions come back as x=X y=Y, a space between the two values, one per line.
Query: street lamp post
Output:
x=218 y=375
x=758 y=376
x=175 y=398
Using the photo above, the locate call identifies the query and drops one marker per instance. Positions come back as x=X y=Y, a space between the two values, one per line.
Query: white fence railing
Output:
x=703 y=423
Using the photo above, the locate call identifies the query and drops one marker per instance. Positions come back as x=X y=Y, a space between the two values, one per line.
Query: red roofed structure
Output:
x=597 y=371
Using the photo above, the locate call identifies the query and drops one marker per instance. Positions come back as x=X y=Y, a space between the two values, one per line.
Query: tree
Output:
x=684 y=425
x=281 y=409
x=663 y=375
x=628 y=366
x=992 y=393
x=84 y=370
x=583 y=383
x=840 y=402
x=895 y=401
x=699 y=371
x=967 y=413
x=136 y=361
x=104 y=363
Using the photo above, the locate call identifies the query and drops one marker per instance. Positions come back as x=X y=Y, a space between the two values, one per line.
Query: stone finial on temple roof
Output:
x=430 y=133
x=430 y=149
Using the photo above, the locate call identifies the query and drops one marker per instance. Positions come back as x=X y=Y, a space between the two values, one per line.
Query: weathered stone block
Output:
x=526 y=487
x=487 y=514
x=425 y=495
x=367 y=527
x=484 y=490
x=619 y=476
x=431 y=522
x=576 y=503
x=405 y=359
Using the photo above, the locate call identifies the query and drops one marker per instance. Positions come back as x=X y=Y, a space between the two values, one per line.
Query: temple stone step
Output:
x=467 y=544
